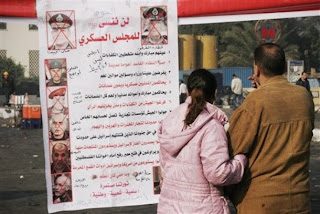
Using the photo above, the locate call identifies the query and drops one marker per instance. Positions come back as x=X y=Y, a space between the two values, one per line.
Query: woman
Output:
x=194 y=156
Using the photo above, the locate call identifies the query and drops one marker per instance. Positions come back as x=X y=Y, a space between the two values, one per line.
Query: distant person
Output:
x=273 y=127
x=60 y=31
x=8 y=87
x=182 y=91
x=58 y=127
x=236 y=88
x=303 y=81
x=62 y=189
x=60 y=158
x=194 y=157
x=56 y=74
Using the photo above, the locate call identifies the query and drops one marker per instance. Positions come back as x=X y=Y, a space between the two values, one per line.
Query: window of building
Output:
x=34 y=63
x=33 y=27
x=3 y=26
x=3 y=53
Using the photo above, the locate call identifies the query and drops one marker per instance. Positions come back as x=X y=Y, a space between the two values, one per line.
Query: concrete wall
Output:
x=17 y=40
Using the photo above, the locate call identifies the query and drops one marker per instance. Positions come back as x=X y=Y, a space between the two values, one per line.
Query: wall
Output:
x=18 y=40
x=316 y=95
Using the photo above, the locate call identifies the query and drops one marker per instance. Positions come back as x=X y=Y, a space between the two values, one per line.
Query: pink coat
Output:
x=195 y=163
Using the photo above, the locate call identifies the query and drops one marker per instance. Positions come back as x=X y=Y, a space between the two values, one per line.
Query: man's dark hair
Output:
x=270 y=59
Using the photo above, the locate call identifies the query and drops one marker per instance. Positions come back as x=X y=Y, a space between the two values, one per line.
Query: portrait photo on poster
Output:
x=55 y=70
x=157 y=180
x=58 y=127
x=154 y=28
x=61 y=188
x=60 y=156
x=61 y=28
x=57 y=100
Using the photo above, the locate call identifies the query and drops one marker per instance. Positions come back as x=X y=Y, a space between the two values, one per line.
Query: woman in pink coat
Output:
x=194 y=157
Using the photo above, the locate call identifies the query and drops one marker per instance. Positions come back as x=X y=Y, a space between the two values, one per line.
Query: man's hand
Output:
x=254 y=81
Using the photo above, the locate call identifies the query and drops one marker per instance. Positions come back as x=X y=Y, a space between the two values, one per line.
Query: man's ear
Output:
x=256 y=70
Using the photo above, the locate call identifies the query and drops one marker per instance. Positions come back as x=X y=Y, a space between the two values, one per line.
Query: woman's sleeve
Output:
x=218 y=168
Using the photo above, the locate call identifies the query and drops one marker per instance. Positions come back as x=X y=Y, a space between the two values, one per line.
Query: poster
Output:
x=294 y=70
x=108 y=76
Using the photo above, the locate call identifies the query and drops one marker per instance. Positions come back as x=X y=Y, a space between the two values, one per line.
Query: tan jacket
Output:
x=273 y=127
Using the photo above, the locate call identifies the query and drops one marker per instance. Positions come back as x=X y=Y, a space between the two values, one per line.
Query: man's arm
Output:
x=232 y=85
x=299 y=82
x=308 y=85
x=242 y=132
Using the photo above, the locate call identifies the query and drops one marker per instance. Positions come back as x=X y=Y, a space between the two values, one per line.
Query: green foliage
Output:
x=15 y=70
x=32 y=79
x=300 y=38
x=239 y=42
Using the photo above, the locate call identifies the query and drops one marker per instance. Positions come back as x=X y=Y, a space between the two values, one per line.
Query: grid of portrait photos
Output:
x=58 y=117
x=61 y=28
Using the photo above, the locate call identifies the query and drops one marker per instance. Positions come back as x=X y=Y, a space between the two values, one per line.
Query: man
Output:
x=62 y=189
x=8 y=87
x=303 y=81
x=58 y=101
x=236 y=88
x=155 y=32
x=56 y=74
x=60 y=25
x=58 y=127
x=60 y=158
x=273 y=128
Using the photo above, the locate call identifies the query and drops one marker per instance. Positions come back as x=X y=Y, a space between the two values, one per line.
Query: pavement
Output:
x=23 y=185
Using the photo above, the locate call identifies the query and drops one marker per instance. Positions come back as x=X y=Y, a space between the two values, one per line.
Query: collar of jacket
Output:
x=278 y=79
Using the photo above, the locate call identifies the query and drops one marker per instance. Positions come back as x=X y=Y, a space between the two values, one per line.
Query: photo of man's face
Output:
x=60 y=36
x=155 y=31
x=61 y=26
x=56 y=74
x=154 y=26
x=61 y=188
x=59 y=102
x=58 y=126
x=60 y=158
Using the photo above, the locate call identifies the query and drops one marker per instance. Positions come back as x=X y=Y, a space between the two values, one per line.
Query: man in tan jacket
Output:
x=273 y=127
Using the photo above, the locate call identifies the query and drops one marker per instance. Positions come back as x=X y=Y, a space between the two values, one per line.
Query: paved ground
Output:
x=22 y=179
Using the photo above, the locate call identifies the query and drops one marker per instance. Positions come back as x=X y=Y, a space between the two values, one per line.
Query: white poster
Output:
x=294 y=70
x=108 y=75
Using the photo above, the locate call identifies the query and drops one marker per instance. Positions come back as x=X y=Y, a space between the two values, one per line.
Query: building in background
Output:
x=19 y=40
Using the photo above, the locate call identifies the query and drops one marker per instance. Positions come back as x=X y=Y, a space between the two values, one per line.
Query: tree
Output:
x=239 y=43
x=300 y=39
x=15 y=70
